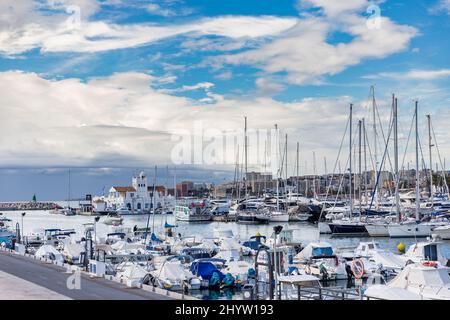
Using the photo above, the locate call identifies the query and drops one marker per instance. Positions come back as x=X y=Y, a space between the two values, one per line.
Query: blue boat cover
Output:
x=327 y=251
x=166 y=225
x=155 y=238
x=205 y=269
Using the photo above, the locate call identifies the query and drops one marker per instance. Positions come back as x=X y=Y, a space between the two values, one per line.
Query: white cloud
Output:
x=24 y=28
x=412 y=75
x=334 y=8
x=122 y=119
x=305 y=53
x=440 y=6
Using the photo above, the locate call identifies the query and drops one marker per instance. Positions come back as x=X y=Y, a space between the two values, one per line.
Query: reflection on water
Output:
x=302 y=232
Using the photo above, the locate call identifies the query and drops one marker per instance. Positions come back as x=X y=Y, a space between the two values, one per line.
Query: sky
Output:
x=108 y=87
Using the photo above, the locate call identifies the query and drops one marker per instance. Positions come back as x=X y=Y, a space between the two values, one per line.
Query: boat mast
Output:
x=298 y=188
x=350 y=162
x=375 y=144
x=396 y=174
x=245 y=151
x=153 y=201
x=314 y=176
x=68 y=195
x=359 y=165
x=175 y=184
x=417 y=161
x=286 y=165
x=365 y=160
x=430 y=145
x=278 y=165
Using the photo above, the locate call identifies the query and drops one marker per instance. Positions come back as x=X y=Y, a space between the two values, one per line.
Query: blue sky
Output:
x=104 y=84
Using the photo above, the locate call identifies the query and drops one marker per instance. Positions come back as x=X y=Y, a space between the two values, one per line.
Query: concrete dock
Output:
x=22 y=278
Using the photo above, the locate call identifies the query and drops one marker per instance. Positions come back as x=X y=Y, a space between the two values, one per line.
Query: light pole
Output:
x=23 y=215
x=277 y=230
x=96 y=219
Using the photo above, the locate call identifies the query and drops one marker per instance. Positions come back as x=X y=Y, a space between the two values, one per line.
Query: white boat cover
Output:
x=126 y=246
x=173 y=271
x=388 y=260
x=131 y=271
x=46 y=250
x=298 y=279
x=432 y=282
x=311 y=248
x=384 y=292
x=73 y=250
x=207 y=244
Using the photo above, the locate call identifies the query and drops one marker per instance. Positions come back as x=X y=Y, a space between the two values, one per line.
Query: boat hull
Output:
x=409 y=231
x=443 y=233
x=324 y=228
x=252 y=219
x=279 y=218
x=194 y=218
x=377 y=230
x=348 y=229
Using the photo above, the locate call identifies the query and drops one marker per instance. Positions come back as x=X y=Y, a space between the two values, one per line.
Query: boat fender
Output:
x=430 y=264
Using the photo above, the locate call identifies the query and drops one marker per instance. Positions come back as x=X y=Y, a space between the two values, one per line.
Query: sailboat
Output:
x=278 y=215
x=349 y=226
x=412 y=228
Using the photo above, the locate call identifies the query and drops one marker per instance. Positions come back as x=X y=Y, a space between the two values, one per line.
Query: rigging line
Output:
x=335 y=164
x=381 y=166
x=382 y=132
x=344 y=173
x=407 y=143
x=440 y=159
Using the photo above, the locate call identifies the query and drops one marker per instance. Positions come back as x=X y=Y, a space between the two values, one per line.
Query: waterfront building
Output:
x=137 y=197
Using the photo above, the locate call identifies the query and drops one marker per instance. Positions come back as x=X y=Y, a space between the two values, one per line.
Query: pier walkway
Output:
x=31 y=275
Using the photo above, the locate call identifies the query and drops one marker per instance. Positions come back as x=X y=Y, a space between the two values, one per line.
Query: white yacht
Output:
x=427 y=283
x=425 y=252
x=318 y=259
x=195 y=212
x=443 y=232
x=409 y=229
x=279 y=216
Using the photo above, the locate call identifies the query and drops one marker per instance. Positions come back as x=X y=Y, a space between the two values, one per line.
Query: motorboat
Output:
x=318 y=259
x=252 y=212
x=279 y=216
x=49 y=252
x=409 y=229
x=348 y=227
x=429 y=283
x=425 y=252
x=383 y=260
x=194 y=212
x=173 y=276
x=113 y=219
x=443 y=232
x=7 y=236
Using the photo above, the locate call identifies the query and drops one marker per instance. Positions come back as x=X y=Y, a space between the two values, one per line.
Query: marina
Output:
x=202 y=238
